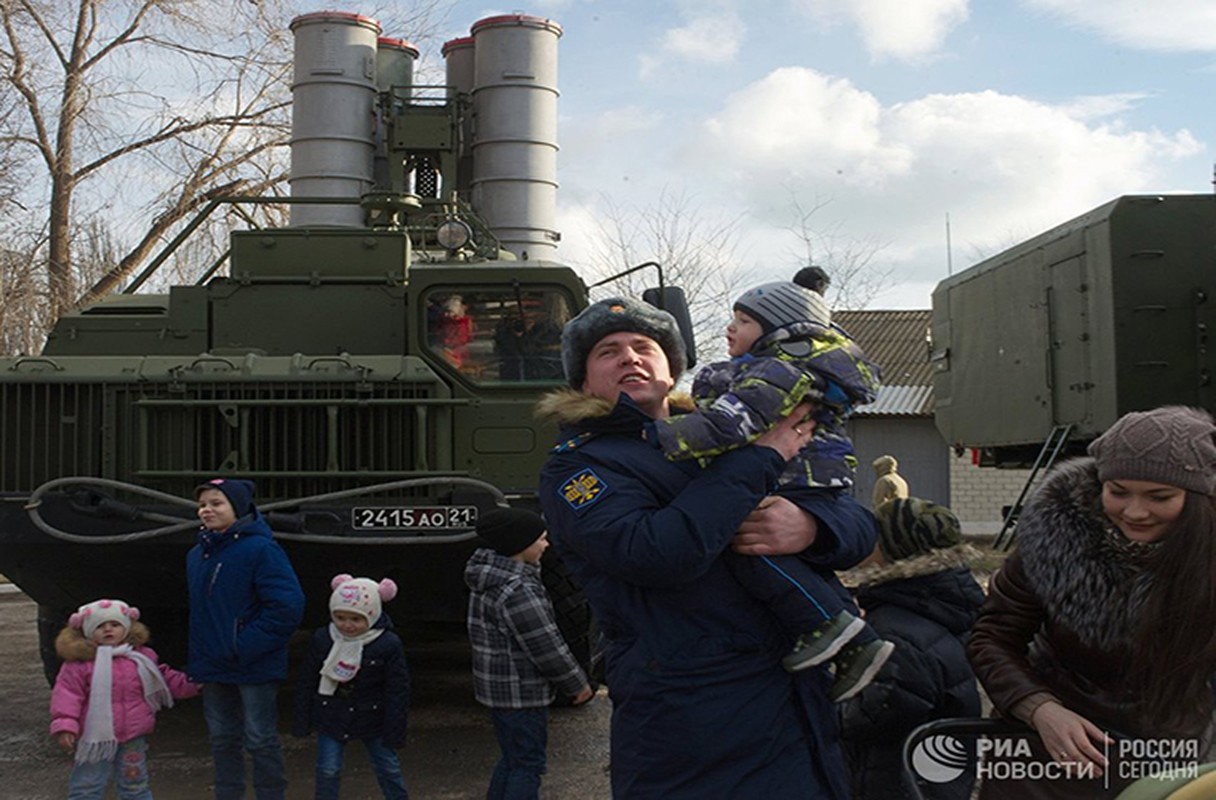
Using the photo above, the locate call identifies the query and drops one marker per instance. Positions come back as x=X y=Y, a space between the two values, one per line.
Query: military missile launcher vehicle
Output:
x=373 y=365
x=1057 y=337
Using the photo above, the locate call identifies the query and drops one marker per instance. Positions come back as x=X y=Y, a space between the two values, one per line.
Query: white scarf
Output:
x=345 y=657
x=98 y=742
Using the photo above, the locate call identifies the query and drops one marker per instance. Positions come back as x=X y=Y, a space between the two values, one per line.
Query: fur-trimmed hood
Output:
x=70 y=644
x=938 y=586
x=1071 y=559
x=574 y=408
x=948 y=558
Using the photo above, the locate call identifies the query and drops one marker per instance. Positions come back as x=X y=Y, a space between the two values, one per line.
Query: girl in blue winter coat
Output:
x=245 y=603
x=355 y=685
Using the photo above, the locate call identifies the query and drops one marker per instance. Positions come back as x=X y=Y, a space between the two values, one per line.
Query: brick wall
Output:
x=978 y=493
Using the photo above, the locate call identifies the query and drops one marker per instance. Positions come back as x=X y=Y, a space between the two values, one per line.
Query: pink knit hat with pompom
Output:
x=89 y=617
x=360 y=595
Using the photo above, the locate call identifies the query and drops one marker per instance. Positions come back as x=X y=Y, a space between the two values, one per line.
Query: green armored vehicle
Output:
x=1059 y=336
x=373 y=366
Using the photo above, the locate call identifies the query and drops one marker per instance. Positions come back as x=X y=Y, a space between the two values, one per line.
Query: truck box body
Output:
x=1107 y=313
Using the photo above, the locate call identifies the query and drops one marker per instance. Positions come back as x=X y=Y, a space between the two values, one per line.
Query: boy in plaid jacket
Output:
x=519 y=657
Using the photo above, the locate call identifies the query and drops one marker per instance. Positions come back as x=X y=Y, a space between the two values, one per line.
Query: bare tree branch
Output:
x=856 y=278
x=138 y=109
x=697 y=252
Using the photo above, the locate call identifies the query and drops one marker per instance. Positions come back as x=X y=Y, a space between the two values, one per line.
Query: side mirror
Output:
x=672 y=300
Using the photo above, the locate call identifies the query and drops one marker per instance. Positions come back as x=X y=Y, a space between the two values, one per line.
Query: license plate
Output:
x=400 y=518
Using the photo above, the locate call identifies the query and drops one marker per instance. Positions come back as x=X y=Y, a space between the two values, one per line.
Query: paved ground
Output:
x=450 y=753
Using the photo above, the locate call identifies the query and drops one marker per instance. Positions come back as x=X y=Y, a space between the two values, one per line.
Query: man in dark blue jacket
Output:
x=702 y=707
x=245 y=603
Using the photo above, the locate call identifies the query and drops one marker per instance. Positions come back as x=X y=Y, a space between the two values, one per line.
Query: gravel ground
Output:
x=450 y=753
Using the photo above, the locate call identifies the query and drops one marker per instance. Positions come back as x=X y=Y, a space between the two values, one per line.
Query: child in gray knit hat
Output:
x=784 y=351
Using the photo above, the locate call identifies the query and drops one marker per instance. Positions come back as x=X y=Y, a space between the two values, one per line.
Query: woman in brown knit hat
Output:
x=1100 y=629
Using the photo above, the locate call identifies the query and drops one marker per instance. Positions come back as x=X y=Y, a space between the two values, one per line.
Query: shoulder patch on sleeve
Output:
x=582 y=489
x=573 y=443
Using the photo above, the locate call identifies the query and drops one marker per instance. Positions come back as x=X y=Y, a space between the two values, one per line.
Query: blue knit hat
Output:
x=239 y=493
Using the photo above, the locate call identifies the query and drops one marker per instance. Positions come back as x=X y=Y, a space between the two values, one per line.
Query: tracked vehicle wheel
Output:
x=574 y=620
x=50 y=623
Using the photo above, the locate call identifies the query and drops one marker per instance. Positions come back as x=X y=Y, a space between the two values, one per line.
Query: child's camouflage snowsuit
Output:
x=740 y=399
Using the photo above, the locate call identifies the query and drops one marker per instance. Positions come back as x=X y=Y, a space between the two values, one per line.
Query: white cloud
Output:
x=712 y=33
x=1004 y=167
x=1098 y=106
x=605 y=150
x=1162 y=25
x=895 y=29
x=799 y=123
x=1004 y=162
x=710 y=39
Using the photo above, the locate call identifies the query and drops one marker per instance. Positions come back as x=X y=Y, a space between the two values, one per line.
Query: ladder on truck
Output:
x=1047 y=457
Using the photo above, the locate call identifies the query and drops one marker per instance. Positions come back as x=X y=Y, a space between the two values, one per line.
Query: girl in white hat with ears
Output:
x=106 y=697
x=355 y=685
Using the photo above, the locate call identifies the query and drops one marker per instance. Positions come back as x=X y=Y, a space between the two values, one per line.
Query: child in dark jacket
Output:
x=106 y=697
x=519 y=655
x=917 y=590
x=785 y=351
x=355 y=684
x=245 y=603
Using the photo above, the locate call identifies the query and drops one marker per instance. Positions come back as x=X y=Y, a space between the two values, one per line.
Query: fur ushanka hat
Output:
x=614 y=315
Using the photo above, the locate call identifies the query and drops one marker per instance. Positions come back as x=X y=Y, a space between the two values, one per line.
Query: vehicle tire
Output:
x=574 y=620
x=50 y=623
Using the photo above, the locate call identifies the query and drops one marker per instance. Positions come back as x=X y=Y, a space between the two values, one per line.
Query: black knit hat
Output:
x=775 y=305
x=814 y=278
x=614 y=315
x=909 y=526
x=1172 y=445
x=510 y=530
x=239 y=493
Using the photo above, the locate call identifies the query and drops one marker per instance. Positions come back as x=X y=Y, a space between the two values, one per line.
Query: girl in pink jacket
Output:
x=106 y=697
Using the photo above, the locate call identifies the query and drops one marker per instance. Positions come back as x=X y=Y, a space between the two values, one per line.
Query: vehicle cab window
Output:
x=498 y=335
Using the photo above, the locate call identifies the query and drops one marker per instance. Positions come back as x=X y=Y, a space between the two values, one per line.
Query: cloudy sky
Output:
x=1006 y=117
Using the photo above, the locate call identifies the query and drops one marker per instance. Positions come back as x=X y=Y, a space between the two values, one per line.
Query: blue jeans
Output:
x=128 y=769
x=382 y=757
x=522 y=735
x=247 y=715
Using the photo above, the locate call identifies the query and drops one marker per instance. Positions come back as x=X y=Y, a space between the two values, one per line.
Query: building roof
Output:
x=898 y=341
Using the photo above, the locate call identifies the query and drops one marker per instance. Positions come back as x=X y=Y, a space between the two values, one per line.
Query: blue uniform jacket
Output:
x=375 y=703
x=701 y=705
x=245 y=603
